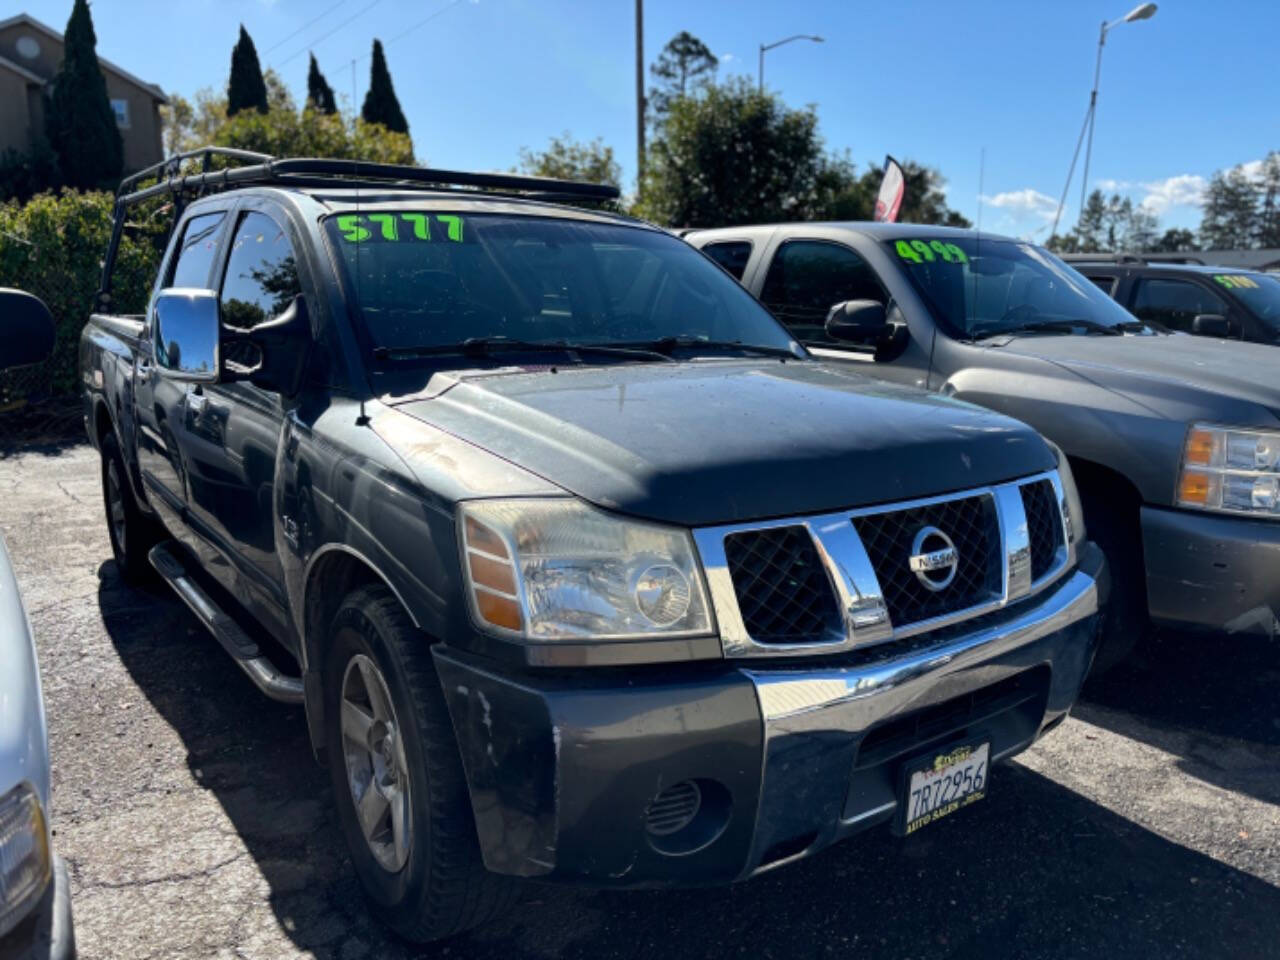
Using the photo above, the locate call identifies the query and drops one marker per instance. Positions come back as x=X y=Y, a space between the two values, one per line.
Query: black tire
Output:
x=132 y=533
x=1113 y=524
x=443 y=887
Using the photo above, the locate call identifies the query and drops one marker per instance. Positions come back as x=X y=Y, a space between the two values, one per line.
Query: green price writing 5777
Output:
x=922 y=251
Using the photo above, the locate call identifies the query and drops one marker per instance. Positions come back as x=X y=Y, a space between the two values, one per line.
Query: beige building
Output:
x=30 y=54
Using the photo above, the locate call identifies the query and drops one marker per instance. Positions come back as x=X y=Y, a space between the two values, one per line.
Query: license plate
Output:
x=944 y=783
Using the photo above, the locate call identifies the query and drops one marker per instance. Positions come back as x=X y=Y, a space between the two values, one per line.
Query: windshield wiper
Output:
x=667 y=345
x=1048 y=326
x=487 y=346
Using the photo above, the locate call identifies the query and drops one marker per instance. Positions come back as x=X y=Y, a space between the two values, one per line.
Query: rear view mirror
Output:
x=1211 y=325
x=184 y=333
x=857 y=321
x=26 y=329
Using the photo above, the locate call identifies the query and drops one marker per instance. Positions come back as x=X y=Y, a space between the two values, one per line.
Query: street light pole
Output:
x=1141 y=12
x=769 y=46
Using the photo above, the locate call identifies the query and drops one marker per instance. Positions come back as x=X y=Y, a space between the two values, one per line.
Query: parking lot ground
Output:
x=196 y=823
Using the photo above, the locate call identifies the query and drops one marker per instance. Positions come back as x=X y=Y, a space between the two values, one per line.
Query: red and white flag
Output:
x=892 y=188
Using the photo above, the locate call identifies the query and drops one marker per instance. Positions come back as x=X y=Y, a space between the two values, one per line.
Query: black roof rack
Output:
x=313 y=172
x=1102 y=258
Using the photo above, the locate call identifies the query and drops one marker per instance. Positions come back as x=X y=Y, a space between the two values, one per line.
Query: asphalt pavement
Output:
x=196 y=823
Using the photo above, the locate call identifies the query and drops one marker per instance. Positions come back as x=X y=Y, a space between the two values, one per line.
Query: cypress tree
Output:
x=319 y=93
x=82 y=125
x=380 y=103
x=246 y=90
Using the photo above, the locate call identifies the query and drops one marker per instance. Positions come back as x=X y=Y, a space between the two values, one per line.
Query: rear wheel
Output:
x=132 y=533
x=402 y=798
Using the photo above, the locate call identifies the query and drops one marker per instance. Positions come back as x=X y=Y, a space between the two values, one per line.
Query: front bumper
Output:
x=1210 y=570
x=47 y=934
x=562 y=768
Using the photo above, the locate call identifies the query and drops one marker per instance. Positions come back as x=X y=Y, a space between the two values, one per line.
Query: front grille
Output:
x=1044 y=525
x=969 y=522
x=783 y=591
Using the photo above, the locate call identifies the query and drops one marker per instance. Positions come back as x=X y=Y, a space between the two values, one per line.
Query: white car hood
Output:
x=24 y=746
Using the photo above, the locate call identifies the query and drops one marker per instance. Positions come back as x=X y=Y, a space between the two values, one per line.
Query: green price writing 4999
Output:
x=922 y=251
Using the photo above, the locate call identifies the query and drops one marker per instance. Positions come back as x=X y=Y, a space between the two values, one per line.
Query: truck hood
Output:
x=720 y=441
x=1171 y=374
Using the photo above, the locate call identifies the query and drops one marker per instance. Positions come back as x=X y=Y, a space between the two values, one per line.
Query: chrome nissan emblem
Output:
x=933 y=558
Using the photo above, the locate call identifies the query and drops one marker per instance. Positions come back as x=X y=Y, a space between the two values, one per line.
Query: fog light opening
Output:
x=687 y=817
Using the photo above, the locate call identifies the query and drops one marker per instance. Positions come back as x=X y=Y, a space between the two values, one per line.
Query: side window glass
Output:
x=807 y=278
x=1106 y=284
x=196 y=251
x=262 y=273
x=1175 y=303
x=732 y=255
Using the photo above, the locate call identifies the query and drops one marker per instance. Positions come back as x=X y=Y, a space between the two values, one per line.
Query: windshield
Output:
x=1259 y=292
x=427 y=280
x=980 y=288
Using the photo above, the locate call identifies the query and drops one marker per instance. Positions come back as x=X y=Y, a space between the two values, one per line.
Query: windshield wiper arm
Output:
x=1047 y=326
x=487 y=346
x=666 y=345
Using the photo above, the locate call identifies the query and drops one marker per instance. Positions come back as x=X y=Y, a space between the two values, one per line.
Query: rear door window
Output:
x=731 y=254
x=1175 y=303
x=196 y=251
x=809 y=277
x=1104 y=283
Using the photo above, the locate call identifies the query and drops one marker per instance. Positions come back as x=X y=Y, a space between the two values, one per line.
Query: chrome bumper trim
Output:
x=788 y=693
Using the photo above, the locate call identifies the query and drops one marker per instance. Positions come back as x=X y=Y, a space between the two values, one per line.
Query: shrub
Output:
x=53 y=247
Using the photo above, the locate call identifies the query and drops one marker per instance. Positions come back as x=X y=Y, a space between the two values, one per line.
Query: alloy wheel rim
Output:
x=115 y=505
x=377 y=773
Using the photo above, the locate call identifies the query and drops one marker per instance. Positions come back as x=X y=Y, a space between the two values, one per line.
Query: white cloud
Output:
x=1182 y=190
x=1025 y=201
x=727 y=57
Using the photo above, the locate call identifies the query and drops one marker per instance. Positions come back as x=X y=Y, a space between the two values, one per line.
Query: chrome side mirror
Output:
x=184 y=334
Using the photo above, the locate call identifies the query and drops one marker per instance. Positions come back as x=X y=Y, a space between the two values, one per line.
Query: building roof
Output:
x=48 y=31
x=21 y=71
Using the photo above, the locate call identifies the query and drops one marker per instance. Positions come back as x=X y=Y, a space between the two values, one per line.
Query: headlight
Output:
x=1235 y=471
x=555 y=570
x=24 y=855
x=1073 y=511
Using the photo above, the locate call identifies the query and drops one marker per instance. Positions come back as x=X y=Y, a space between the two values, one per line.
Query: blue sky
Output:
x=1192 y=90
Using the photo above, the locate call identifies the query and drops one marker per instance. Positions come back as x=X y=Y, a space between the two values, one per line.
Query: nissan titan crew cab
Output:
x=583 y=568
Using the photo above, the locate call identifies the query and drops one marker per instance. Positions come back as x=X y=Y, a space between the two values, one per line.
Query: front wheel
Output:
x=397 y=777
x=132 y=533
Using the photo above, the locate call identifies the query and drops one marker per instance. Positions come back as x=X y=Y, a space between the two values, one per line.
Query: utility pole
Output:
x=639 y=93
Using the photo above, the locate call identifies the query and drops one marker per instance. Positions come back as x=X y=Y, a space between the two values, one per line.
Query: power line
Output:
x=421 y=23
x=305 y=26
x=360 y=13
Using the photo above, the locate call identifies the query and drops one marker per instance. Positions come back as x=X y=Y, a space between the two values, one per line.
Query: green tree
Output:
x=246 y=89
x=287 y=133
x=732 y=155
x=1091 y=229
x=380 y=103
x=683 y=62
x=567 y=159
x=1268 y=221
x=82 y=125
x=1141 y=231
x=319 y=93
x=1229 y=220
x=1175 y=240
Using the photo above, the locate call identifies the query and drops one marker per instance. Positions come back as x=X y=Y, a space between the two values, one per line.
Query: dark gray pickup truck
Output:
x=1174 y=439
x=583 y=569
